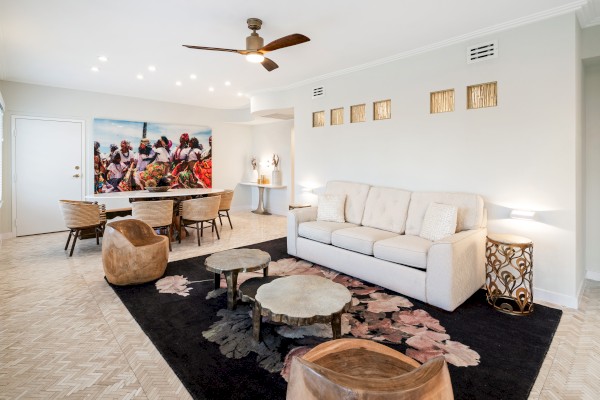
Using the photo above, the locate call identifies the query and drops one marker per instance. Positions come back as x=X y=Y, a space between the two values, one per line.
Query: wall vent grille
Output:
x=279 y=116
x=318 y=92
x=482 y=51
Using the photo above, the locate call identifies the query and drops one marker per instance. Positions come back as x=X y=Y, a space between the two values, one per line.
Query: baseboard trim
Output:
x=241 y=208
x=7 y=235
x=593 y=275
x=556 y=298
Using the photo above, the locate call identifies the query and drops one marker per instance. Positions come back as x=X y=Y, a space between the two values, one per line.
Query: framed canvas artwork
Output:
x=133 y=155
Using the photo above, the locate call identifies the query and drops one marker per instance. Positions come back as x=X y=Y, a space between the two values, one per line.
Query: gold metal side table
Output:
x=509 y=275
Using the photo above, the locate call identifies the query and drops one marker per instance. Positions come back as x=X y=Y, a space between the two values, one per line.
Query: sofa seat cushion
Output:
x=321 y=230
x=405 y=249
x=359 y=239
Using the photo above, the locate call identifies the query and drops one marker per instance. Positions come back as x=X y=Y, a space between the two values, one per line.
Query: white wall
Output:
x=592 y=152
x=2 y=107
x=230 y=141
x=269 y=139
x=520 y=154
x=590 y=42
x=591 y=55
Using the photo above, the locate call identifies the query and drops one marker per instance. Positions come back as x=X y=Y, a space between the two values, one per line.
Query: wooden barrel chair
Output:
x=80 y=216
x=133 y=253
x=363 y=369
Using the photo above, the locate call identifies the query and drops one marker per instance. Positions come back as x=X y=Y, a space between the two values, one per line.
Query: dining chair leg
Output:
x=202 y=229
x=220 y=220
x=180 y=227
x=214 y=222
x=198 y=233
x=74 y=241
x=229 y=218
x=169 y=236
x=68 y=239
x=97 y=236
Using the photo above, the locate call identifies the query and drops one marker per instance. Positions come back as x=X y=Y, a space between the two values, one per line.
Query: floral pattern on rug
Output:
x=374 y=314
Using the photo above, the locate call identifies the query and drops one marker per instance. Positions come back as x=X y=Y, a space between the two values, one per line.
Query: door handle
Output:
x=76 y=176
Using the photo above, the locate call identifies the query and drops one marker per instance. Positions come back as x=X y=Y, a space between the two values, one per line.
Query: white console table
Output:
x=260 y=209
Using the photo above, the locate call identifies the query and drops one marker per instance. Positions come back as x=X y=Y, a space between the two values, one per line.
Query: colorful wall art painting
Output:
x=131 y=155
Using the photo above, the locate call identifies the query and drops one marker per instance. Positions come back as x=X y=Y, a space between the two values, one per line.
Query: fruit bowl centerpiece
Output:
x=158 y=189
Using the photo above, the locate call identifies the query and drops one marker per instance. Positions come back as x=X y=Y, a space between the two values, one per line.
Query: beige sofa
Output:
x=380 y=242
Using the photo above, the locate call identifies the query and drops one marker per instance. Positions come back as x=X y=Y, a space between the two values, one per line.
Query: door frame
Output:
x=13 y=132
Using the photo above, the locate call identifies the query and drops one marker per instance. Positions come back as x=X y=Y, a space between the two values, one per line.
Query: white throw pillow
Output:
x=331 y=207
x=439 y=221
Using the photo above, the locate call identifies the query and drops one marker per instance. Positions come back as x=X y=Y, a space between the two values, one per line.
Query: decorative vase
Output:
x=276 y=178
x=254 y=176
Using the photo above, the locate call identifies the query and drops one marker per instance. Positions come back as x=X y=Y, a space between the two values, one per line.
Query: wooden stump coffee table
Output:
x=230 y=263
x=301 y=300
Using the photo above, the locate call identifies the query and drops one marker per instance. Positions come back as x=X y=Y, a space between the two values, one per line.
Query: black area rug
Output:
x=211 y=350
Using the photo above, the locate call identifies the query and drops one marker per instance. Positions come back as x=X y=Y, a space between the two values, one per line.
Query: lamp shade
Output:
x=255 y=57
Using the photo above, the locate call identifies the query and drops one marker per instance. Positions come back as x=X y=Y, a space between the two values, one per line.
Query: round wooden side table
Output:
x=509 y=273
x=230 y=263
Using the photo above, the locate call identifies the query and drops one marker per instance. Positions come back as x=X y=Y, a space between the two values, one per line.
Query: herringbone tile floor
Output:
x=65 y=334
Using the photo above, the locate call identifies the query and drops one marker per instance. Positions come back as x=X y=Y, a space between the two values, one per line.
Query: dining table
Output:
x=134 y=195
x=177 y=195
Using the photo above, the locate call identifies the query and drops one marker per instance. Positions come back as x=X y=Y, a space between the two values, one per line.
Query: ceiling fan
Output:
x=255 y=50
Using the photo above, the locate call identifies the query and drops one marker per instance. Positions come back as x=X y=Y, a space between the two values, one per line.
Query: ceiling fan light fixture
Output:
x=255 y=57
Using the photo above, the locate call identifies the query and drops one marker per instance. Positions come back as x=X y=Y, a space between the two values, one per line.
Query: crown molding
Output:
x=571 y=7
x=589 y=14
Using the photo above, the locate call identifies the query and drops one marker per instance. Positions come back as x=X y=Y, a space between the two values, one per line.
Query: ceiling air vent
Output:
x=318 y=92
x=482 y=51
x=279 y=116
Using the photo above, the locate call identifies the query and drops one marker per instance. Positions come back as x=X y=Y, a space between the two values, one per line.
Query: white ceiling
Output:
x=56 y=42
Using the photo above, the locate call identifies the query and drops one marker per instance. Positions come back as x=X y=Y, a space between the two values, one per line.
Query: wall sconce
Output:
x=309 y=187
x=522 y=214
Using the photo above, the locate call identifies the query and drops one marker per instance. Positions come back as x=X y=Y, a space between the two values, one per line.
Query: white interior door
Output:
x=48 y=168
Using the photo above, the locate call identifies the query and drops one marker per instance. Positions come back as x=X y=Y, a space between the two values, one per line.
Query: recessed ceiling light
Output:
x=211 y=89
x=151 y=68
x=227 y=83
x=95 y=69
x=178 y=83
x=140 y=76
x=193 y=76
x=103 y=58
x=240 y=94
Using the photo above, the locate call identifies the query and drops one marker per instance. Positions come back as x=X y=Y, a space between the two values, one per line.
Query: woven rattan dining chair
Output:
x=225 y=206
x=158 y=214
x=80 y=216
x=204 y=209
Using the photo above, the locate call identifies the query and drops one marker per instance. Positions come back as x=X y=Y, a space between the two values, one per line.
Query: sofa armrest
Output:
x=294 y=218
x=455 y=268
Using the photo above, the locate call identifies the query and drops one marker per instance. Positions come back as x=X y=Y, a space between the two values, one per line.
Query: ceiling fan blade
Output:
x=269 y=64
x=286 y=41
x=216 y=49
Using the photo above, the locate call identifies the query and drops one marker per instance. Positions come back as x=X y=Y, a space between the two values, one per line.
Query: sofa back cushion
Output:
x=356 y=196
x=386 y=209
x=470 y=210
